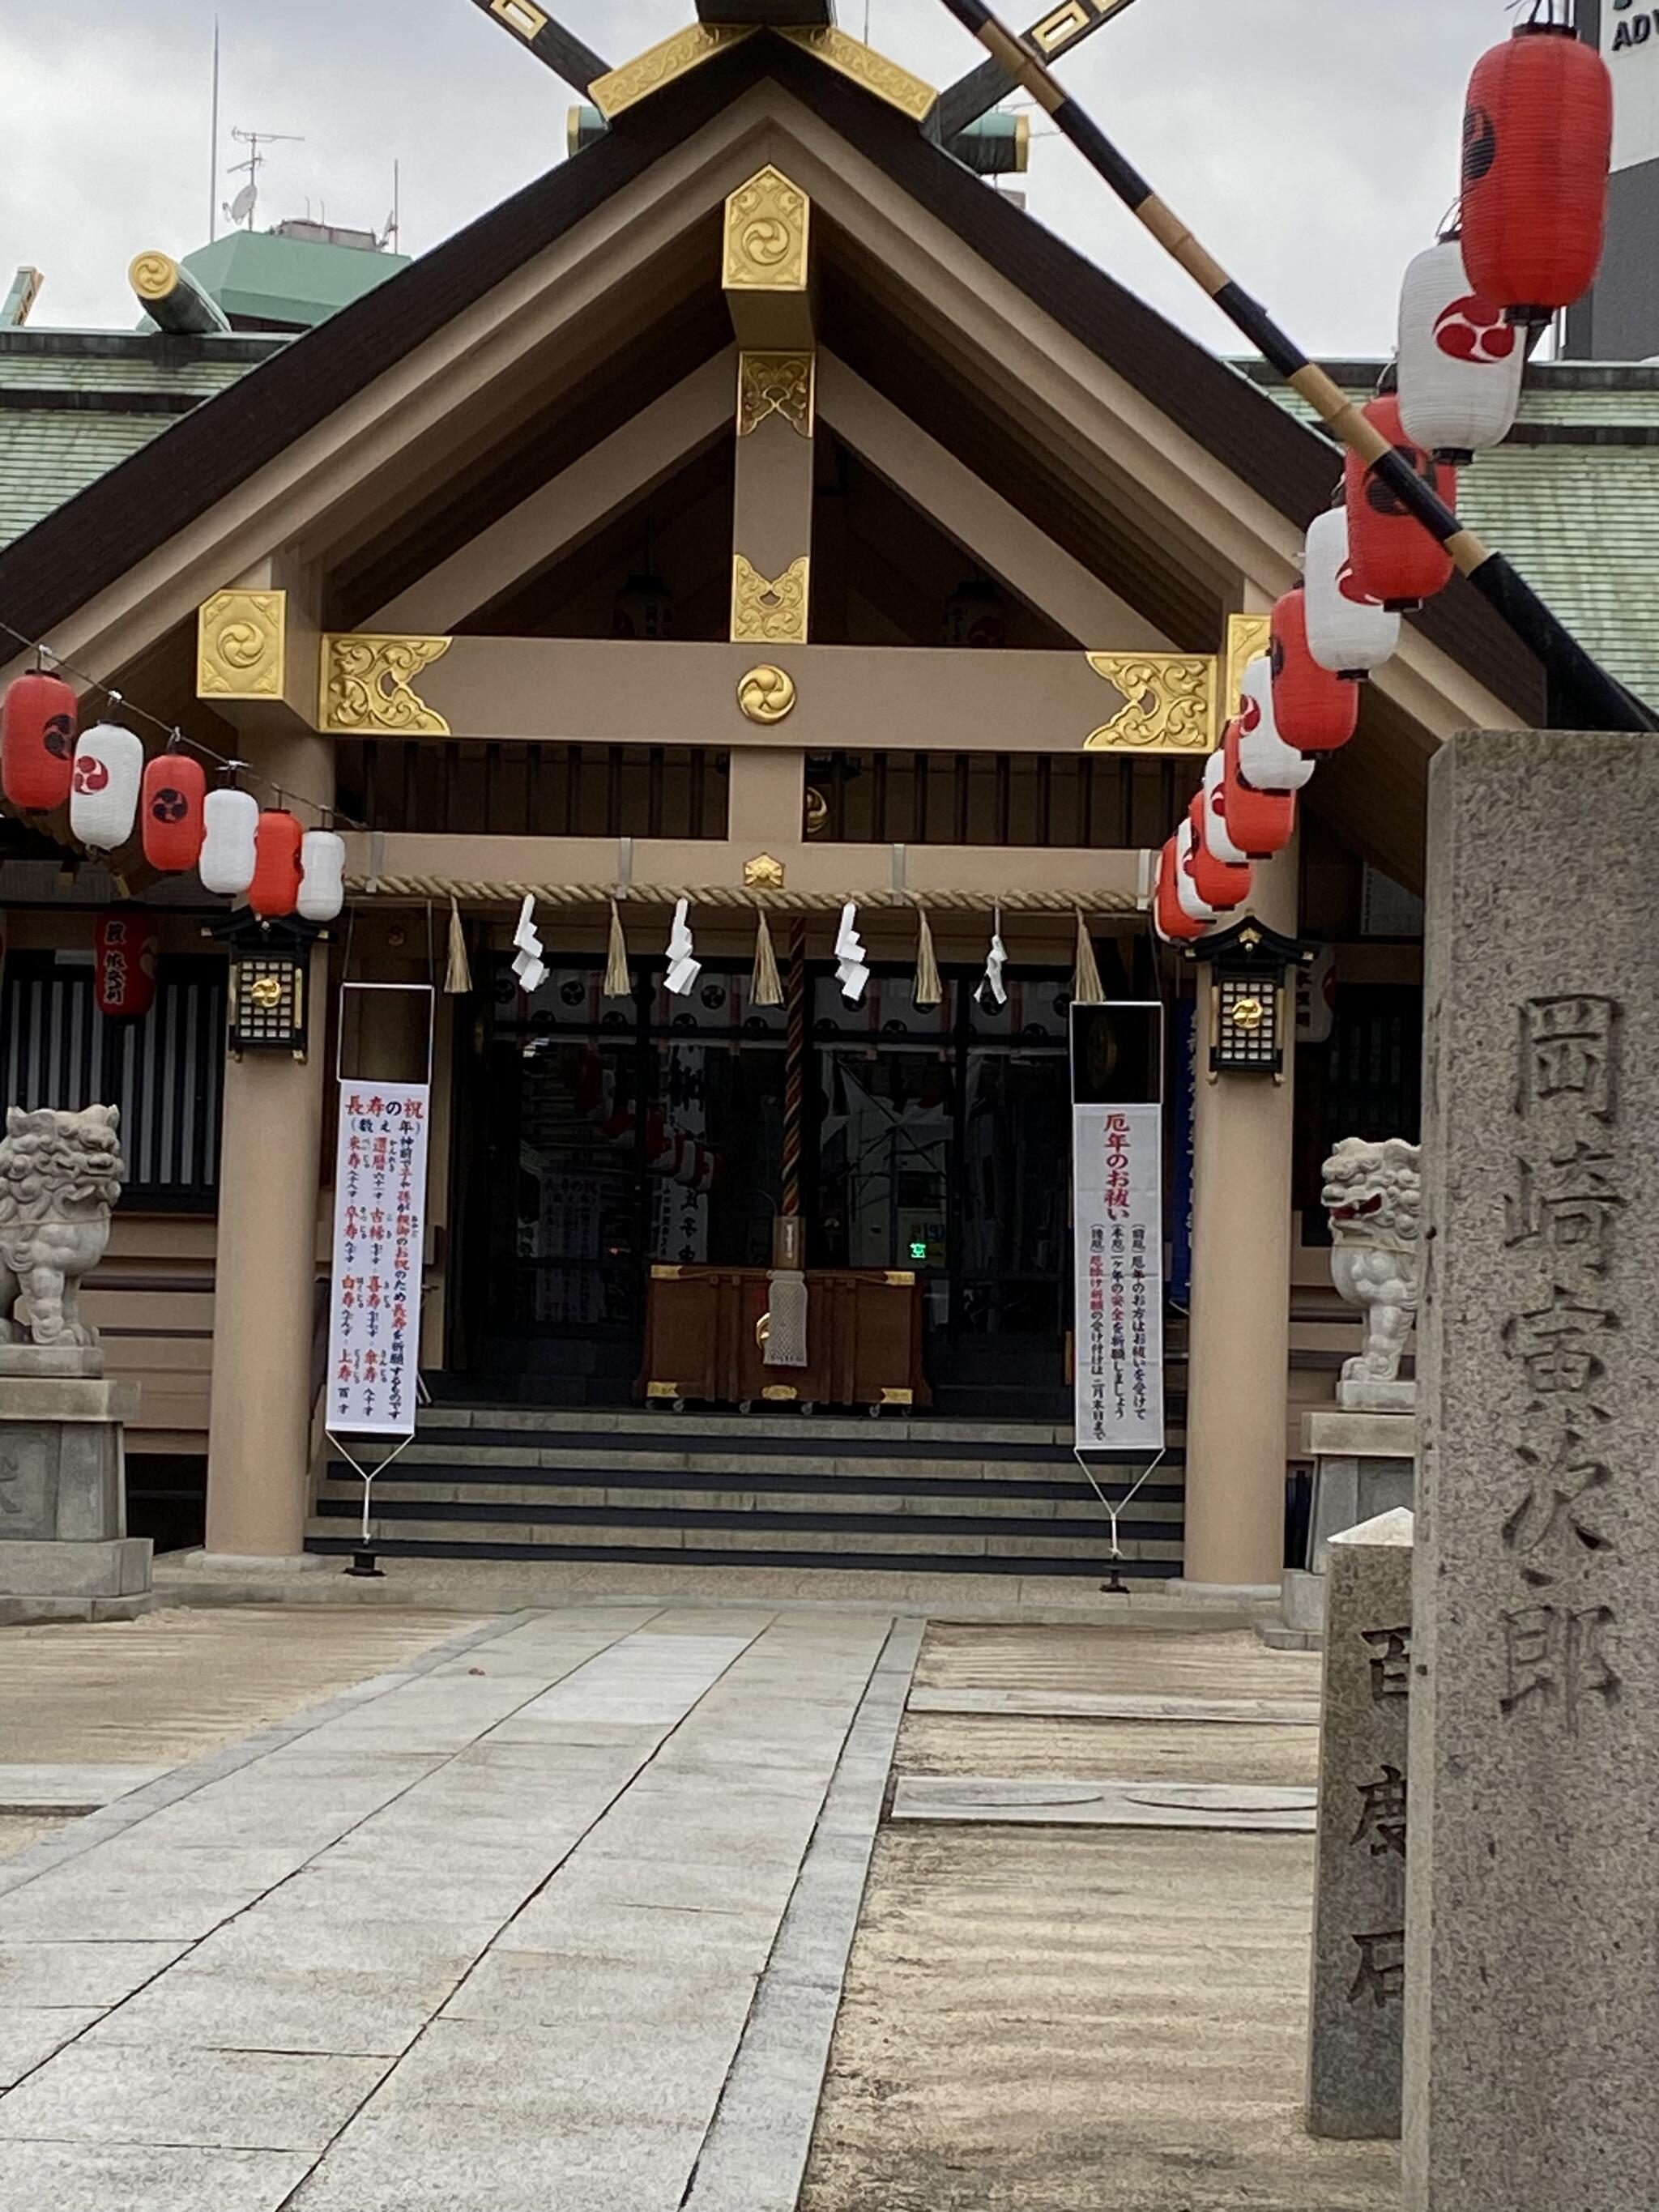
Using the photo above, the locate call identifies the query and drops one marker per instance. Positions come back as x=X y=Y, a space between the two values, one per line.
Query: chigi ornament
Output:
x=1461 y=359
x=1537 y=145
x=37 y=742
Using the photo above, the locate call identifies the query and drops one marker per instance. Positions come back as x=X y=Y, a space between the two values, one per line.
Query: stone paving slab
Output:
x=487 y=1931
x=36 y=1786
x=1070 y=1801
x=1083 y=1705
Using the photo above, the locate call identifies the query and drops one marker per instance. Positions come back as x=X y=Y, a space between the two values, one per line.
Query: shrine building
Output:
x=760 y=511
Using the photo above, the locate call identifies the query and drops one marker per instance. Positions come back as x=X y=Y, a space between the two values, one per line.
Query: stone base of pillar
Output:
x=1232 y=1593
x=64 y=1550
x=250 y=1563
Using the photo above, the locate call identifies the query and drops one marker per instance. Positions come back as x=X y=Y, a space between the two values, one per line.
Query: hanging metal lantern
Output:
x=977 y=615
x=109 y=769
x=175 y=792
x=1396 y=559
x=37 y=742
x=1317 y=712
x=1222 y=884
x=1537 y=146
x=1248 y=1006
x=1263 y=755
x=643 y=608
x=1461 y=359
x=1349 y=634
x=124 y=968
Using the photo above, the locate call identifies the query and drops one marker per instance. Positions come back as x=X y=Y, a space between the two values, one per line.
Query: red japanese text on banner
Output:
x=1118 y=1182
x=379 y=1222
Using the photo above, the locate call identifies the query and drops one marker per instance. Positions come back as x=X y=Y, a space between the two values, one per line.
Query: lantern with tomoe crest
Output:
x=104 y=786
x=1265 y=757
x=1349 y=633
x=37 y=742
x=1315 y=711
x=1461 y=359
x=1260 y=823
x=1537 y=144
x=1173 y=924
x=175 y=791
x=1394 y=556
x=1222 y=884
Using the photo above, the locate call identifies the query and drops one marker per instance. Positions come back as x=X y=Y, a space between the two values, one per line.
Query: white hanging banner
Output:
x=1118 y=1166
x=379 y=1224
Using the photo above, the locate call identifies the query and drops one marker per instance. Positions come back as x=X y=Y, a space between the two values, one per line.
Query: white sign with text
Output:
x=1118 y=1177
x=379 y=1221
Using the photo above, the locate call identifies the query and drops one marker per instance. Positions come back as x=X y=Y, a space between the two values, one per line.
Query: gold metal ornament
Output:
x=767 y=230
x=266 y=992
x=850 y=57
x=1248 y=1013
x=1248 y=637
x=767 y=695
x=769 y=611
x=776 y=384
x=368 y=686
x=818 y=811
x=241 y=646
x=763 y=873
x=621 y=88
x=153 y=274
x=1170 y=703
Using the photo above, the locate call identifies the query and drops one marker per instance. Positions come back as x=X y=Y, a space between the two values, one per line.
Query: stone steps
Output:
x=912 y=1495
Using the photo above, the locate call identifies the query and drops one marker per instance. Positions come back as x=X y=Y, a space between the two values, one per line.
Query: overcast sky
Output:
x=1311 y=143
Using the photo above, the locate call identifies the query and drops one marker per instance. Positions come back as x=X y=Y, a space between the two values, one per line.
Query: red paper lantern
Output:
x=1172 y=925
x=37 y=743
x=1261 y=822
x=170 y=812
x=1315 y=711
x=1537 y=143
x=124 y=963
x=1220 y=884
x=275 y=889
x=1394 y=558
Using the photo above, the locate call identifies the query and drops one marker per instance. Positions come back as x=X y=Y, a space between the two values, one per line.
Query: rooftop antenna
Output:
x=241 y=210
x=213 y=150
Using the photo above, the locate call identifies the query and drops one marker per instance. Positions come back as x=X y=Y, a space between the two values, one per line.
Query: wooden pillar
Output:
x=766 y=274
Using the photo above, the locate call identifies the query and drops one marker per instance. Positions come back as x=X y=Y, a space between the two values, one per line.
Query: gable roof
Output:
x=134 y=509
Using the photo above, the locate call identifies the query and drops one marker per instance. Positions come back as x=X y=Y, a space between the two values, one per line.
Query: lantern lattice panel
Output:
x=1246 y=1035
x=267 y=1003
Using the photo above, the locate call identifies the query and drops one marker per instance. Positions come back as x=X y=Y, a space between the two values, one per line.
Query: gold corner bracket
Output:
x=769 y=611
x=623 y=88
x=367 y=687
x=850 y=57
x=241 y=646
x=1170 y=703
x=1248 y=637
x=782 y=384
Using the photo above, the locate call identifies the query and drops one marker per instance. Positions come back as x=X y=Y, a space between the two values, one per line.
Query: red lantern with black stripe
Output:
x=1394 y=558
x=1260 y=823
x=170 y=813
x=1315 y=711
x=1173 y=925
x=37 y=742
x=124 y=968
x=1537 y=145
x=278 y=839
x=1221 y=883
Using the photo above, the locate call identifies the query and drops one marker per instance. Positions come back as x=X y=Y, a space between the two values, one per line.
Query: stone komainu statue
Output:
x=1374 y=1196
x=60 y=1173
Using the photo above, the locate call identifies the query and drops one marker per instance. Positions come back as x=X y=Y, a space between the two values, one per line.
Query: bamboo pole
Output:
x=1586 y=694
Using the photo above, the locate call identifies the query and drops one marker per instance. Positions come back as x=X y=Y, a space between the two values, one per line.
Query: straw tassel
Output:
x=929 y=990
x=618 y=984
x=458 y=973
x=765 y=985
x=1087 y=989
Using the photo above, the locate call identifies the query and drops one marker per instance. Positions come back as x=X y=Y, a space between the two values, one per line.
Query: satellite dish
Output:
x=244 y=203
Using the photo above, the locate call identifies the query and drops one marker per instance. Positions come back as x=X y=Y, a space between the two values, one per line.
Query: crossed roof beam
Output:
x=1056 y=31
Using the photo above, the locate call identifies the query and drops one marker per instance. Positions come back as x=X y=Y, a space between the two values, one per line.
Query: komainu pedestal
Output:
x=1532 y=1961
x=64 y=1550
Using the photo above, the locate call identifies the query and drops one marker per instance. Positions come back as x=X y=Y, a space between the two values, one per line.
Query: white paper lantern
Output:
x=1195 y=909
x=1347 y=634
x=1461 y=361
x=322 y=875
x=1267 y=761
x=1217 y=843
x=108 y=771
x=230 y=819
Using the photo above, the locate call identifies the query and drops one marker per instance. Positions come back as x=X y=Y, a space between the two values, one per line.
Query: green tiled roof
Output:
x=262 y=277
x=46 y=458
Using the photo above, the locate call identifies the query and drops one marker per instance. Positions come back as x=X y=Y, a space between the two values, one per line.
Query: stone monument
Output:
x=1364 y=1453
x=1532 y=1975
x=1359 y=1899
x=64 y=1552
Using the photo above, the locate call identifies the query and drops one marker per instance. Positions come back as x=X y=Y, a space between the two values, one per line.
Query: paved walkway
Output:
x=552 y=1919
